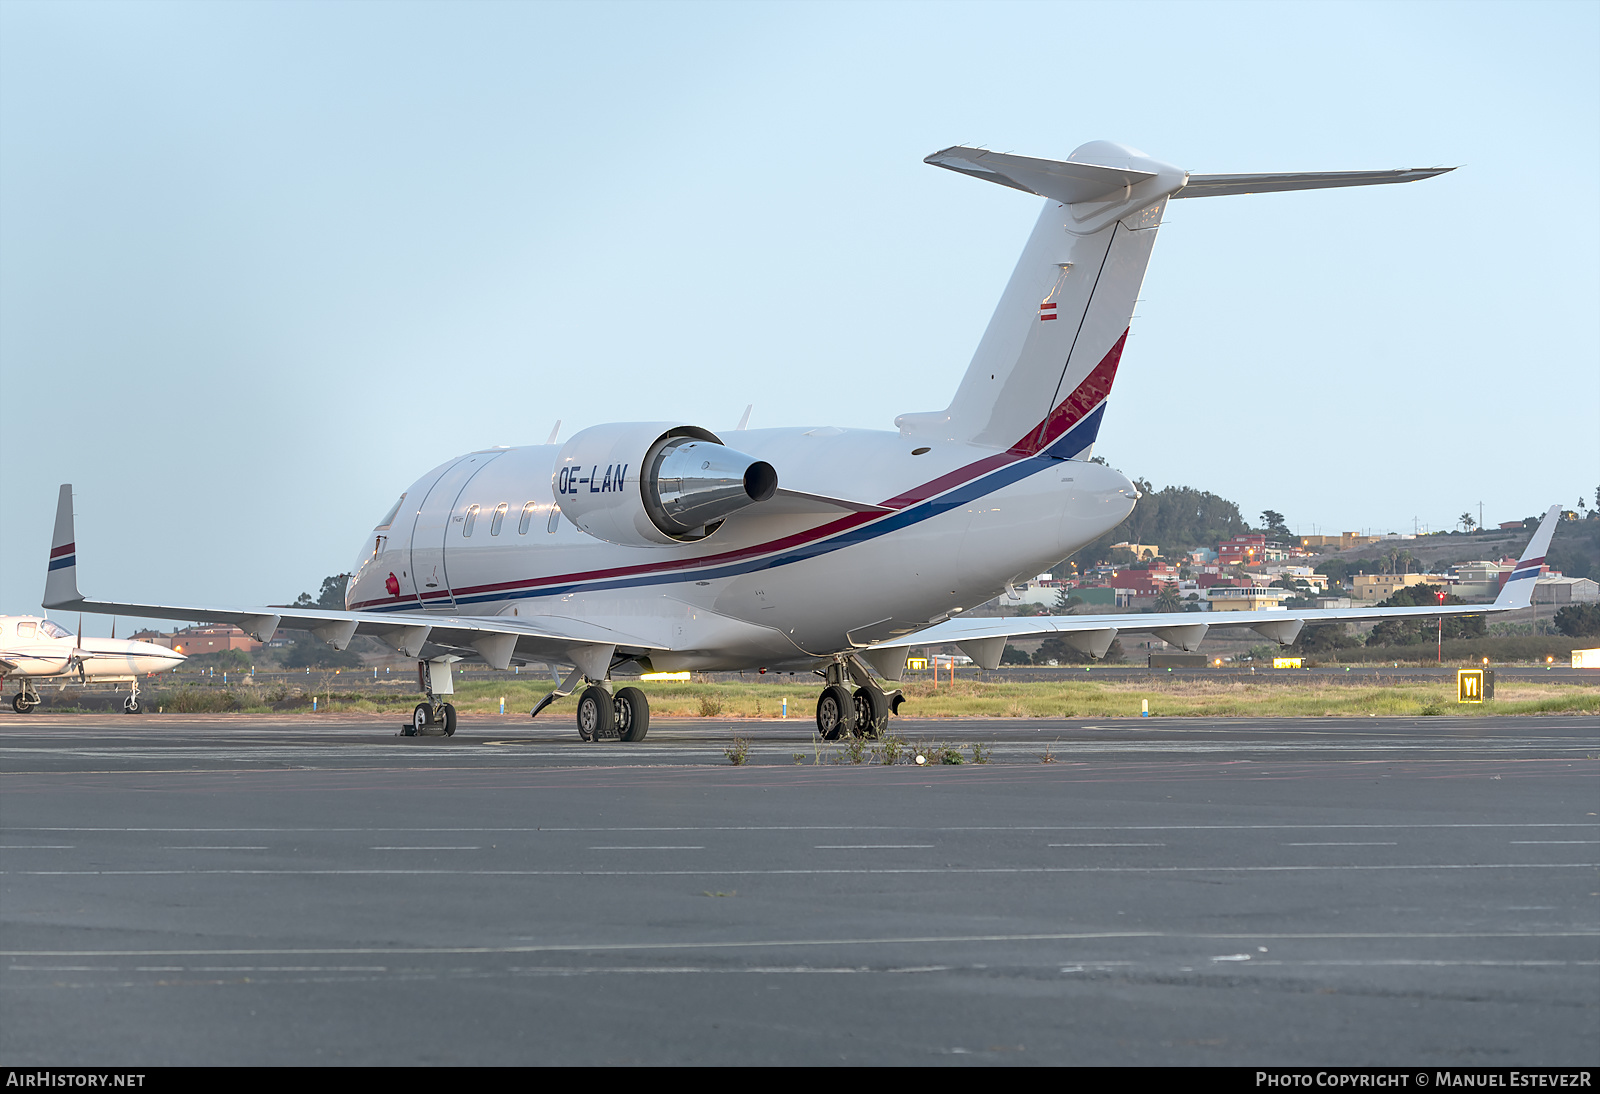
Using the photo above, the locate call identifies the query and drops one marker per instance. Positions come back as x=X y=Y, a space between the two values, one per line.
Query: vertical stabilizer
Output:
x=1517 y=592
x=1041 y=374
x=61 y=578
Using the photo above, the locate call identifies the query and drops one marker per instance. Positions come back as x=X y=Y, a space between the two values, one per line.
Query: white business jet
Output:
x=33 y=649
x=656 y=546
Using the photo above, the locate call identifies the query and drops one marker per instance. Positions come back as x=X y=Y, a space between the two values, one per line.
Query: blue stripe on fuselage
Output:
x=1075 y=440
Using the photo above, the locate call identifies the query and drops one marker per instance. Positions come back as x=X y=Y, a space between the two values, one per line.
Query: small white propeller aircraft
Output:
x=655 y=546
x=33 y=648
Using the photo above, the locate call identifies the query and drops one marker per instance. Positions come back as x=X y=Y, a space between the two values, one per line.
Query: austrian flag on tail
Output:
x=1046 y=311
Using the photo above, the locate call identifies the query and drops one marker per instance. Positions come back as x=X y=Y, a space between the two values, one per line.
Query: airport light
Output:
x=1440 y=658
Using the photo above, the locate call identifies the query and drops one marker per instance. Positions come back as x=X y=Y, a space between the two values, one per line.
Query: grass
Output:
x=1170 y=697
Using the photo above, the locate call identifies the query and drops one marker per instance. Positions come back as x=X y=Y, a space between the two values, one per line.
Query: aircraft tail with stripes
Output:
x=1040 y=378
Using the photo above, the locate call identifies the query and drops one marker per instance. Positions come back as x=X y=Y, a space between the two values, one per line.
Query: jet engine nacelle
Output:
x=646 y=484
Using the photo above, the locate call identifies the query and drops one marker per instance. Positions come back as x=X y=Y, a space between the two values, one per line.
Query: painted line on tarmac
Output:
x=856 y=828
x=891 y=940
x=821 y=871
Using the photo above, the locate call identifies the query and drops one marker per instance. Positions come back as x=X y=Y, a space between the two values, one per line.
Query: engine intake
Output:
x=655 y=483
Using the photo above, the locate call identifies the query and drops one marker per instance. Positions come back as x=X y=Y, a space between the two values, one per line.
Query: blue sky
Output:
x=261 y=265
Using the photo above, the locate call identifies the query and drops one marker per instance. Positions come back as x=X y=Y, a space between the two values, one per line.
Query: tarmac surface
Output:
x=276 y=890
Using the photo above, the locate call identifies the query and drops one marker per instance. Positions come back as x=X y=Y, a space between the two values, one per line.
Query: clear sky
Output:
x=261 y=265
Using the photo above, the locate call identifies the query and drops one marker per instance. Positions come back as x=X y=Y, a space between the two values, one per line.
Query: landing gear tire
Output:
x=130 y=705
x=421 y=716
x=448 y=719
x=835 y=712
x=872 y=712
x=596 y=715
x=632 y=711
x=20 y=703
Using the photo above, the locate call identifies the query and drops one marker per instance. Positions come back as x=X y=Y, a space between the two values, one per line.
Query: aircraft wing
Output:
x=499 y=640
x=984 y=639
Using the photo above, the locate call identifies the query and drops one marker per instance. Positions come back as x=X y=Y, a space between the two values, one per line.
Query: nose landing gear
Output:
x=26 y=698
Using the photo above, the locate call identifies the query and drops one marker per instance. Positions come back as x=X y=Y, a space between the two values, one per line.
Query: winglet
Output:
x=1517 y=592
x=61 y=578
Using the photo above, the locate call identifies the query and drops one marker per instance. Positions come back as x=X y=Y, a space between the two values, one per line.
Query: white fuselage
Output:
x=781 y=583
x=40 y=649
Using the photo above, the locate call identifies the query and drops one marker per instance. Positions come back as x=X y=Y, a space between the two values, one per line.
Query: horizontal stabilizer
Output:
x=1206 y=186
x=1063 y=181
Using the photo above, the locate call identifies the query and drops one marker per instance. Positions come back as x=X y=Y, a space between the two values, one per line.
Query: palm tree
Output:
x=1168 y=600
x=1466 y=522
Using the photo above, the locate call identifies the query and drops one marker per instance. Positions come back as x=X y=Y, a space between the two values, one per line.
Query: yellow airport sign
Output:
x=1288 y=662
x=1474 y=685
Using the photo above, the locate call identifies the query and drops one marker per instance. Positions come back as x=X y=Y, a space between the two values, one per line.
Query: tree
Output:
x=1013 y=656
x=331 y=596
x=1066 y=601
x=1169 y=600
x=1579 y=620
x=1466 y=522
x=1275 y=527
x=1411 y=632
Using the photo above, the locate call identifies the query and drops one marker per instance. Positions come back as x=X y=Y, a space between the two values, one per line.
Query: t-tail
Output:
x=1040 y=379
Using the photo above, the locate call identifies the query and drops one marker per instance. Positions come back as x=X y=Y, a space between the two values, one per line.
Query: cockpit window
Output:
x=54 y=630
x=388 y=518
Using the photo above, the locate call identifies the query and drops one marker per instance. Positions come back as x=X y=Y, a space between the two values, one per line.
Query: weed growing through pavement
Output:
x=981 y=752
x=738 y=752
x=799 y=757
x=1048 y=757
x=891 y=749
x=856 y=749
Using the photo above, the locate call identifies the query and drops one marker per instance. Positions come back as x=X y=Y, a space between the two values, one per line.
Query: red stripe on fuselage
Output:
x=1084 y=398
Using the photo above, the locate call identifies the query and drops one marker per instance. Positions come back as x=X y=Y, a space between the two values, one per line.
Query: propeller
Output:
x=78 y=654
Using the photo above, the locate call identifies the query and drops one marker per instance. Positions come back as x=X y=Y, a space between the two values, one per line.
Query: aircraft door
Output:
x=433 y=525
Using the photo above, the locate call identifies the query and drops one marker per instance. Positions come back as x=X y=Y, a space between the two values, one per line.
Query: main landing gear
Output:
x=862 y=713
x=623 y=716
x=603 y=714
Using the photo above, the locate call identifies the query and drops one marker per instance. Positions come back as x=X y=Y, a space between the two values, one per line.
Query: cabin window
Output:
x=472 y=518
x=25 y=630
x=527 y=518
x=388 y=518
x=555 y=518
x=499 y=515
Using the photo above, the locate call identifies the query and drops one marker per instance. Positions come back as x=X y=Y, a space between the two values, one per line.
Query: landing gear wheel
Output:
x=632 y=712
x=872 y=712
x=130 y=705
x=20 y=704
x=835 y=712
x=449 y=719
x=596 y=716
x=421 y=716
